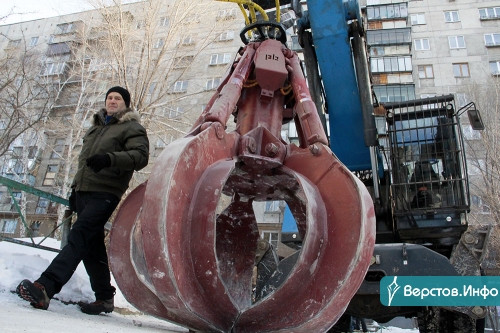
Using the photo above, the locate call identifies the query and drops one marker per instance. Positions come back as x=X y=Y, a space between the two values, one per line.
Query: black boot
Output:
x=34 y=293
x=97 y=307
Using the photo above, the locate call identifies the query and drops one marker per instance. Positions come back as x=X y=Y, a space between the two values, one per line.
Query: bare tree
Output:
x=21 y=87
x=153 y=53
x=26 y=99
x=81 y=85
x=153 y=49
x=484 y=151
x=156 y=49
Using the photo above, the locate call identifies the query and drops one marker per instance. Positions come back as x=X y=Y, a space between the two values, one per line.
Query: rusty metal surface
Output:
x=489 y=260
x=179 y=256
x=478 y=251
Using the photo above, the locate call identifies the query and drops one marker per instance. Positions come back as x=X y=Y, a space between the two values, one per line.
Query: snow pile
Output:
x=23 y=262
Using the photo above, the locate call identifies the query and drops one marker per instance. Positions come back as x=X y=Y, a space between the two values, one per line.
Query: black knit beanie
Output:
x=122 y=91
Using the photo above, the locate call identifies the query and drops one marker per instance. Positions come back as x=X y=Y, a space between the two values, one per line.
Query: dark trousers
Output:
x=85 y=243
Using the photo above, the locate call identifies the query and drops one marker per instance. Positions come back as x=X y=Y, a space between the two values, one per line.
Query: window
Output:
x=15 y=165
x=17 y=197
x=159 y=43
x=294 y=44
x=461 y=99
x=180 y=86
x=391 y=64
x=427 y=95
x=388 y=36
x=97 y=64
x=183 y=62
x=492 y=39
x=163 y=21
x=13 y=43
x=387 y=11
x=451 y=16
x=32 y=152
x=174 y=112
x=212 y=83
x=50 y=175
x=54 y=68
x=152 y=88
x=221 y=58
x=192 y=18
x=18 y=167
x=417 y=19
x=461 y=70
x=58 y=150
x=489 y=13
x=478 y=203
x=58 y=49
x=495 y=67
x=292 y=130
x=228 y=35
x=226 y=14
x=169 y=112
x=34 y=41
x=422 y=44
x=41 y=207
x=425 y=72
x=394 y=93
x=160 y=143
x=140 y=25
x=273 y=206
x=187 y=40
x=17 y=152
x=475 y=167
x=469 y=133
x=271 y=237
x=456 y=42
x=9 y=226
x=65 y=28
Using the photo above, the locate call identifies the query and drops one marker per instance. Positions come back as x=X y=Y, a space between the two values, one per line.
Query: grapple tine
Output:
x=122 y=265
x=236 y=244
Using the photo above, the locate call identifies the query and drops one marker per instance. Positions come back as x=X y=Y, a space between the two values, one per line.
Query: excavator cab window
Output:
x=429 y=182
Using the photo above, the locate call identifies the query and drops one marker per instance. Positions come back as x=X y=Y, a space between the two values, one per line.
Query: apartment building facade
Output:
x=417 y=48
x=190 y=47
x=426 y=48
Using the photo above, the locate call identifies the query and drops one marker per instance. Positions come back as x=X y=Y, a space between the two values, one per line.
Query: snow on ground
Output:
x=18 y=262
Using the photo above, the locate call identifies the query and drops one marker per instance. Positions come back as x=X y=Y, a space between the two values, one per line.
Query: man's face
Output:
x=114 y=103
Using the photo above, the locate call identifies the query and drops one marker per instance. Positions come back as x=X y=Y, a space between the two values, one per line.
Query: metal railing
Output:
x=12 y=185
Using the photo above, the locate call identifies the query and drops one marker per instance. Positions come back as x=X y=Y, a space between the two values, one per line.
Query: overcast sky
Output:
x=13 y=11
x=24 y=10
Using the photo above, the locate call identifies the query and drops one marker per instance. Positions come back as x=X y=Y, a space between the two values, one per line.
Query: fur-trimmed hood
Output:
x=121 y=117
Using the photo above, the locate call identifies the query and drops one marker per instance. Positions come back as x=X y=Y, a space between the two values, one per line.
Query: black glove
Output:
x=99 y=162
x=72 y=201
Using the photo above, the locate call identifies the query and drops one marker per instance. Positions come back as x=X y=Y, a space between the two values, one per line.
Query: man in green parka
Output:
x=115 y=146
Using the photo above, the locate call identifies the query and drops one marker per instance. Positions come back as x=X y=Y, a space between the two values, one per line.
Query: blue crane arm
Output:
x=328 y=21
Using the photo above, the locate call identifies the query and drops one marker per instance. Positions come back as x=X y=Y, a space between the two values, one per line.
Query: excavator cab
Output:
x=429 y=182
